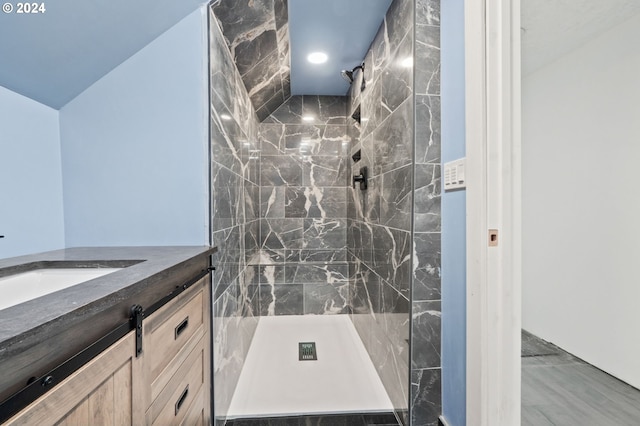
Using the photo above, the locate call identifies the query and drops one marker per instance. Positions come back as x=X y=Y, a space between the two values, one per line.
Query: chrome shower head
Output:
x=347 y=75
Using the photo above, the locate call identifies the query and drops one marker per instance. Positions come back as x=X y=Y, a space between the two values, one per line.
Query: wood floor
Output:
x=559 y=389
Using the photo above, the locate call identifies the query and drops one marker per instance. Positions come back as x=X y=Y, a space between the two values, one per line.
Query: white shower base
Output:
x=274 y=383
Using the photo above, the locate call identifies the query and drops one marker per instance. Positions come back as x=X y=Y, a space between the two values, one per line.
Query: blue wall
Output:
x=31 y=214
x=134 y=147
x=453 y=217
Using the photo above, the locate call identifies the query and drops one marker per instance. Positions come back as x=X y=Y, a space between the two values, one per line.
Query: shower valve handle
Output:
x=362 y=178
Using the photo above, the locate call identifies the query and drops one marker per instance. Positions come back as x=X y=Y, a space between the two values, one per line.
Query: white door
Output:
x=492 y=54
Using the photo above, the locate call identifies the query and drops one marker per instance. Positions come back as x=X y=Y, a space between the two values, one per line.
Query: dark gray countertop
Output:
x=41 y=332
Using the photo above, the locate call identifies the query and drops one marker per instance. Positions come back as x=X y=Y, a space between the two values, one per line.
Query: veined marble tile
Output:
x=324 y=233
x=363 y=243
x=427 y=198
x=272 y=201
x=329 y=273
x=302 y=138
x=281 y=12
x=426 y=405
x=263 y=80
x=229 y=258
x=325 y=109
x=367 y=295
x=315 y=202
x=428 y=133
x=324 y=170
x=251 y=201
x=394 y=302
x=326 y=299
x=278 y=170
x=392 y=257
x=426 y=265
x=226 y=81
x=240 y=19
x=256 y=33
x=425 y=350
x=373 y=109
x=317 y=255
x=370 y=201
x=271 y=104
x=399 y=19
x=232 y=336
x=393 y=139
x=250 y=53
x=251 y=240
x=384 y=356
x=378 y=56
x=427 y=63
x=272 y=139
x=397 y=198
x=427 y=12
x=282 y=234
x=290 y=112
x=228 y=197
x=272 y=274
x=225 y=136
x=397 y=79
x=281 y=299
x=226 y=367
x=248 y=300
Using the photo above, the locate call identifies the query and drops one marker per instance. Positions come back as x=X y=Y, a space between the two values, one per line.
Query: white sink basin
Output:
x=19 y=288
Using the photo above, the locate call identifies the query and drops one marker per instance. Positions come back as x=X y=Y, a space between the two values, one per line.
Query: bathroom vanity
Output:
x=131 y=346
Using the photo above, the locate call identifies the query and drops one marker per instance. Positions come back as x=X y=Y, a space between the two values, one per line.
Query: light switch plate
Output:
x=454 y=175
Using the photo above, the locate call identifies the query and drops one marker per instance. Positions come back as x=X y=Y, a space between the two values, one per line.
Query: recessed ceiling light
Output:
x=225 y=116
x=317 y=57
x=308 y=118
x=407 y=62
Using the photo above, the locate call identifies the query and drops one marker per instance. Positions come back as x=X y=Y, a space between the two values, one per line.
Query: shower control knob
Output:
x=362 y=178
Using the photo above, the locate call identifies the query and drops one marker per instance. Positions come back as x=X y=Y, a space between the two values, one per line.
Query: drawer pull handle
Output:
x=181 y=327
x=182 y=398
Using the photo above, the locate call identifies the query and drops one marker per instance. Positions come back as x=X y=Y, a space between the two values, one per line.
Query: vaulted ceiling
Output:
x=54 y=56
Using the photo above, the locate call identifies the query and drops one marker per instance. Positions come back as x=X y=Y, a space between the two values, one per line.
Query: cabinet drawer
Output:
x=169 y=329
x=182 y=391
x=196 y=414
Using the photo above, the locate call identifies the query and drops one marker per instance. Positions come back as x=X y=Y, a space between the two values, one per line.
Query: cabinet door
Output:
x=99 y=393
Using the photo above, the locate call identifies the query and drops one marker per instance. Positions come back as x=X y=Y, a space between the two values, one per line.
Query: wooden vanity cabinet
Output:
x=177 y=361
x=99 y=393
x=168 y=384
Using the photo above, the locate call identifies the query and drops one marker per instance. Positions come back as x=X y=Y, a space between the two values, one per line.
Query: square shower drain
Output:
x=307 y=351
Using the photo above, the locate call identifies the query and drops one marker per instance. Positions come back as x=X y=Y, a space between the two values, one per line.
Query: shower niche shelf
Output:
x=356 y=115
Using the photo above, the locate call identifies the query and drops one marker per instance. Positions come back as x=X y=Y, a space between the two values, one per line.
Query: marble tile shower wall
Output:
x=386 y=256
x=235 y=216
x=426 y=307
x=257 y=33
x=379 y=225
x=301 y=267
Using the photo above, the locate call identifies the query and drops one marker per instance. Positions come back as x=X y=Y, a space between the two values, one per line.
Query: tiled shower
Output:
x=294 y=236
